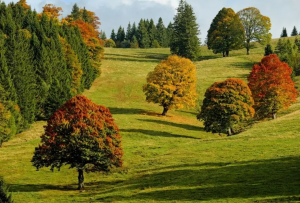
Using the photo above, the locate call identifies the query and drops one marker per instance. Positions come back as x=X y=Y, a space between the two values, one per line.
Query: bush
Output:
x=125 y=44
x=5 y=196
x=110 y=43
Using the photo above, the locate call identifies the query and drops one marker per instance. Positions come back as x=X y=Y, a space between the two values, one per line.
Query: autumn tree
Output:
x=80 y=134
x=172 y=84
x=294 y=31
x=225 y=105
x=284 y=33
x=226 y=32
x=24 y=4
x=52 y=11
x=185 y=30
x=256 y=25
x=272 y=87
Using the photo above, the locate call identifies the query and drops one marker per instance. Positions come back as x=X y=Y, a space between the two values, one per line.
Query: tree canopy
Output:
x=272 y=87
x=256 y=25
x=172 y=84
x=226 y=32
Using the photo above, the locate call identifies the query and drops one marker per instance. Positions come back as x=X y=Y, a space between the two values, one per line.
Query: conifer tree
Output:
x=5 y=196
x=120 y=36
x=169 y=31
x=113 y=35
x=75 y=12
x=152 y=32
x=85 y=16
x=294 y=32
x=161 y=33
x=133 y=31
x=284 y=33
x=185 y=41
x=268 y=50
x=103 y=35
x=128 y=32
x=142 y=35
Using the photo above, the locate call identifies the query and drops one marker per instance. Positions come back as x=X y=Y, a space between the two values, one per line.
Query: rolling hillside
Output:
x=168 y=159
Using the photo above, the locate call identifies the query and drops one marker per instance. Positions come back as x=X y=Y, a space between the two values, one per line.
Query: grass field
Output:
x=168 y=159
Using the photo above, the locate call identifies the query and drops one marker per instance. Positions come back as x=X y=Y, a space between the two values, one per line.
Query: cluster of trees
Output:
x=284 y=32
x=232 y=31
x=44 y=62
x=145 y=35
x=229 y=105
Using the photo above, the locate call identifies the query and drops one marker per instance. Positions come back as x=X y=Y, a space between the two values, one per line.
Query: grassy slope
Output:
x=168 y=159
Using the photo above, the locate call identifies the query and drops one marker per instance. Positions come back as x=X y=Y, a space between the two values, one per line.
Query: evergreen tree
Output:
x=142 y=35
x=128 y=32
x=185 y=41
x=120 y=35
x=103 y=35
x=113 y=35
x=152 y=33
x=294 y=32
x=268 y=50
x=134 y=43
x=284 y=33
x=75 y=14
x=85 y=16
x=161 y=33
x=133 y=31
x=169 y=31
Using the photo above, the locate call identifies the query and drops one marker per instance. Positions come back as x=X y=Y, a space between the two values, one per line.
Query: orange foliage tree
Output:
x=24 y=4
x=272 y=87
x=172 y=84
x=80 y=134
x=52 y=11
x=225 y=105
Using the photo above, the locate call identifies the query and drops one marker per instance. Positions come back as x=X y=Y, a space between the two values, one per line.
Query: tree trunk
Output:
x=274 y=116
x=229 y=131
x=223 y=53
x=227 y=53
x=164 y=113
x=248 y=47
x=80 y=179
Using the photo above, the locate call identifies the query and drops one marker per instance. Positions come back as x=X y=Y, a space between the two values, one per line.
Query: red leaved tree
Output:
x=80 y=134
x=272 y=87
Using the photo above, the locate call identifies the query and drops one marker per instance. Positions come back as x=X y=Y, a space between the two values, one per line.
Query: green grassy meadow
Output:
x=168 y=159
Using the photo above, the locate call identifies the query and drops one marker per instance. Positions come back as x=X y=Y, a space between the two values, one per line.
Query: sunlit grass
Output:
x=168 y=159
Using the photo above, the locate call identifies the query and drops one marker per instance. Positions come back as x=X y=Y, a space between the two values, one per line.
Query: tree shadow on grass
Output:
x=40 y=187
x=116 y=110
x=178 y=125
x=245 y=65
x=156 y=133
x=253 y=179
x=129 y=59
x=158 y=56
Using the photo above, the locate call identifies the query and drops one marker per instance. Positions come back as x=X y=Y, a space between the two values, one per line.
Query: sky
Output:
x=115 y=13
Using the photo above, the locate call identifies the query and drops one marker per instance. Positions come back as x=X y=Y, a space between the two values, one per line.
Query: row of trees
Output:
x=284 y=32
x=44 y=62
x=232 y=31
x=145 y=35
x=228 y=104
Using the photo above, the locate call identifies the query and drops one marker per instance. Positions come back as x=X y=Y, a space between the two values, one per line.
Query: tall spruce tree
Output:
x=75 y=12
x=133 y=31
x=113 y=35
x=142 y=35
x=284 y=33
x=103 y=35
x=128 y=32
x=294 y=32
x=120 y=35
x=169 y=34
x=152 y=33
x=185 y=41
x=161 y=33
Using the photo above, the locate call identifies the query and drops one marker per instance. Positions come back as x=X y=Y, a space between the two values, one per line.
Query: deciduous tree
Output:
x=256 y=25
x=172 y=84
x=80 y=134
x=225 y=105
x=226 y=32
x=272 y=87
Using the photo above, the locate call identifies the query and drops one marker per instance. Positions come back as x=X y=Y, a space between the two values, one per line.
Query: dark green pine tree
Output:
x=142 y=35
x=294 y=32
x=169 y=31
x=185 y=41
x=161 y=33
x=128 y=32
x=19 y=59
x=113 y=35
x=152 y=33
x=284 y=33
x=5 y=76
x=103 y=35
x=5 y=196
x=85 y=16
x=268 y=50
x=120 y=35
x=133 y=32
x=75 y=14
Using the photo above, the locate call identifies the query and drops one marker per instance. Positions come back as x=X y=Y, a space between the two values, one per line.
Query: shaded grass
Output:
x=168 y=159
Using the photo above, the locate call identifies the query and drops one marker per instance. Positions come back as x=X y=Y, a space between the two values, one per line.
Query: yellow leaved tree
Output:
x=172 y=84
